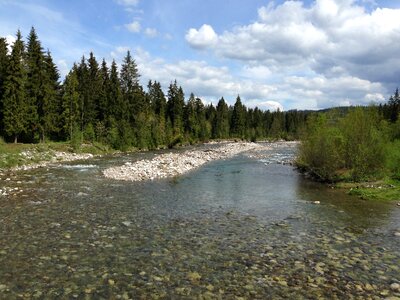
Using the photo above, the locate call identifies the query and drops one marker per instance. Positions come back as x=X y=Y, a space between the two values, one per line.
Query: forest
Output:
x=98 y=103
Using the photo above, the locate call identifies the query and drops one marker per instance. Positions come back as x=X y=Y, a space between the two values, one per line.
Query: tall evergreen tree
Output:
x=71 y=104
x=14 y=100
x=175 y=105
x=93 y=89
x=3 y=74
x=238 y=120
x=35 y=85
x=103 y=92
x=49 y=121
x=221 y=123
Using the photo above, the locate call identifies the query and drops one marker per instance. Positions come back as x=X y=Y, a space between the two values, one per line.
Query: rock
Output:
x=3 y=287
x=317 y=202
x=395 y=286
x=194 y=276
x=111 y=282
x=127 y=223
x=397 y=233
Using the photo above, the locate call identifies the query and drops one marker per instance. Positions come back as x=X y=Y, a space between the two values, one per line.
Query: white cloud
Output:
x=151 y=32
x=202 y=38
x=128 y=2
x=330 y=37
x=134 y=26
x=10 y=39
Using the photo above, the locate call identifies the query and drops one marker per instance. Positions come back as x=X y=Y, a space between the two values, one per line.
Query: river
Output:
x=241 y=228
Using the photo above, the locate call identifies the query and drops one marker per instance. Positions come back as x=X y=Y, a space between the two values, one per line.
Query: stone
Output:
x=395 y=286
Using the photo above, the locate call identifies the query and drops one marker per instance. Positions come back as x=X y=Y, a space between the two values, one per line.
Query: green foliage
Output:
x=321 y=151
x=76 y=139
x=393 y=158
x=345 y=148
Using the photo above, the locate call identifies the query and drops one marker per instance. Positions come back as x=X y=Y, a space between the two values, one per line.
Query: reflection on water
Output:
x=243 y=227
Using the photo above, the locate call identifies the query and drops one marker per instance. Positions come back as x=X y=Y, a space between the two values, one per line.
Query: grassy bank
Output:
x=14 y=155
x=381 y=190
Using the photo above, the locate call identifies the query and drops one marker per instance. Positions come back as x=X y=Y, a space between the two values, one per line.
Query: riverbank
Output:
x=174 y=164
x=16 y=157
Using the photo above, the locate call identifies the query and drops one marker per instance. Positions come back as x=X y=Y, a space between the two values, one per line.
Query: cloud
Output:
x=202 y=38
x=128 y=2
x=329 y=37
x=10 y=41
x=134 y=26
x=151 y=32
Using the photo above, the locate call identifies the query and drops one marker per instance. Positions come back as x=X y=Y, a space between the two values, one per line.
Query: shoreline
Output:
x=174 y=164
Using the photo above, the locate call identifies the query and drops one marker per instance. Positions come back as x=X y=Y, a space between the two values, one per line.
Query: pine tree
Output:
x=50 y=119
x=238 y=121
x=71 y=104
x=14 y=100
x=3 y=74
x=82 y=73
x=175 y=105
x=103 y=92
x=93 y=88
x=115 y=107
x=221 y=123
x=35 y=85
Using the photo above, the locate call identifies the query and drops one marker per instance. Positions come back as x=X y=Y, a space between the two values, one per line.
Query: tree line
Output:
x=107 y=104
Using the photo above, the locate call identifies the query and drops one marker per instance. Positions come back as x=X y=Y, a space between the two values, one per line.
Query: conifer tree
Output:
x=49 y=121
x=34 y=85
x=175 y=105
x=221 y=123
x=3 y=74
x=15 y=111
x=71 y=104
x=93 y=88
x=238 y=121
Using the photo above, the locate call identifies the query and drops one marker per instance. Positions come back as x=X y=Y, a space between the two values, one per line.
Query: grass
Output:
x=382 y=190
x=12 y=155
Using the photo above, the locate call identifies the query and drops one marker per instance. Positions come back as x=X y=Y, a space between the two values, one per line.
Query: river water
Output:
x=243 y=228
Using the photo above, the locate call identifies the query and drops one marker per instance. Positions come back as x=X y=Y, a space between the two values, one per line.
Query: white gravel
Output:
x=173 y=164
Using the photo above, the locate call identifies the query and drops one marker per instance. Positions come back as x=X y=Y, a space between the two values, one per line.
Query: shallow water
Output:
x=244 y=227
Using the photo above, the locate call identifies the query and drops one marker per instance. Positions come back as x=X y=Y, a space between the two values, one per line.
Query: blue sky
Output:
x=275 y=54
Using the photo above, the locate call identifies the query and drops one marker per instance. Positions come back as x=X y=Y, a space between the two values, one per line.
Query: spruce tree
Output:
x=71 y=104
x=238 y=121
x=34 y=85
x=175 y=105
x=3 y=74
x=221 y=123
x=15 y=112
x=49 y=121
x=93 y=89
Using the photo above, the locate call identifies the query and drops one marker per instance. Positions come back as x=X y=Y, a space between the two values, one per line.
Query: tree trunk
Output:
x=15 y=139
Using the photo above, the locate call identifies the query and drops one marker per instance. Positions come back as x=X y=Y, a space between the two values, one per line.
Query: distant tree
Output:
x=221 y=123
x=175 y=106
x=238 y=121
x=394 y=106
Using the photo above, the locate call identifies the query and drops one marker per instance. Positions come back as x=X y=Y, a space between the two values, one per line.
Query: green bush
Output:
x=351 y=147
x=393 y=159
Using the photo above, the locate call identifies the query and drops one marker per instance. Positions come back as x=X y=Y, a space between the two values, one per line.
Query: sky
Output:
x=274 y=54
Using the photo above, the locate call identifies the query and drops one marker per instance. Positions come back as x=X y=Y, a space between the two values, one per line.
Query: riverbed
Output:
x=247 y=227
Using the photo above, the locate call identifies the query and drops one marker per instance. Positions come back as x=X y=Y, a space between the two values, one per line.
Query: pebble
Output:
x=397 y=233
x=395 y=286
